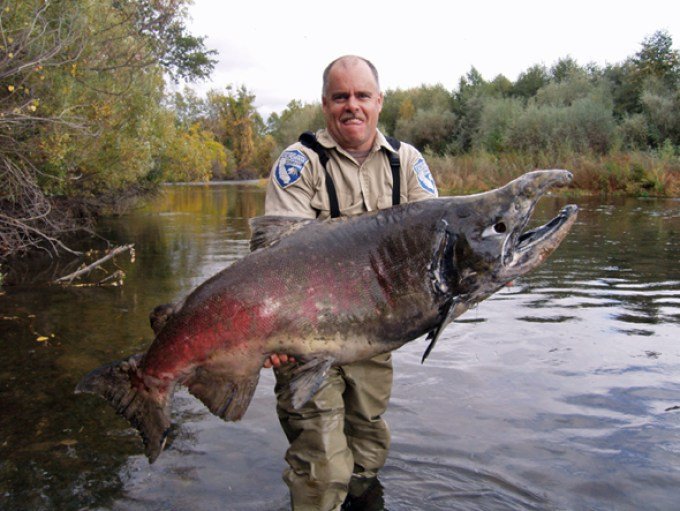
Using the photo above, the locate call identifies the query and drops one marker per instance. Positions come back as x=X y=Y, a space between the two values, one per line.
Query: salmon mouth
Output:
x=534 y=246
x=545 y=233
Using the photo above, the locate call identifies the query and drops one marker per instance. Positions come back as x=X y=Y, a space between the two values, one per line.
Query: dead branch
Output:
x=72 y=276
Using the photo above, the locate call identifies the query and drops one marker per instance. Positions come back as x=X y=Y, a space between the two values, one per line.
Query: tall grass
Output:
x=647 y=174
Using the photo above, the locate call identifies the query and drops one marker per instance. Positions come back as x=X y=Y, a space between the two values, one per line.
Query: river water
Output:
x=559 y=393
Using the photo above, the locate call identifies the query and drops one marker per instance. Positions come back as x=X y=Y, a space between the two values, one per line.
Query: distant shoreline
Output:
x=213 y=183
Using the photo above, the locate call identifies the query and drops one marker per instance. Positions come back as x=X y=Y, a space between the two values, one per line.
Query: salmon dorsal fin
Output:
x=226 y=396
x=267 y=230
x=160 y=314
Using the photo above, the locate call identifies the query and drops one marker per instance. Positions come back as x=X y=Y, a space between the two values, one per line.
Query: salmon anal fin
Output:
x=225 y=396
x=307 y=379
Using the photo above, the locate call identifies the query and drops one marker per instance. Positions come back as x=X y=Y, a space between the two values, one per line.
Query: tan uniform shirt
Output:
x=297 y=185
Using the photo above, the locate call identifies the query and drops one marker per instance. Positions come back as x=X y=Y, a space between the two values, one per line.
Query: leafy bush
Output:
x=586 y=125
x=661 y=107
x=498 y=119
x=194 y=155
x=633 y=132
x=427 y=129
x=294 y=120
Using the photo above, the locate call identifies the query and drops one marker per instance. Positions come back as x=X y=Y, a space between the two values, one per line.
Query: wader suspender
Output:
x=308 y=139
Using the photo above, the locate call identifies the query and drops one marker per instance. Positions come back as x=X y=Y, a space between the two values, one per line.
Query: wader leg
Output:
x=320 y=463
x=368 y=388
x=338 y=435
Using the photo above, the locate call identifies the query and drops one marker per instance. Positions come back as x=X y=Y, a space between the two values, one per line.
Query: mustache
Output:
x=349 y=117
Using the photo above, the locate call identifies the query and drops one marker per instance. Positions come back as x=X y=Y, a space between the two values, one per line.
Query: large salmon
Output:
x=330 y=292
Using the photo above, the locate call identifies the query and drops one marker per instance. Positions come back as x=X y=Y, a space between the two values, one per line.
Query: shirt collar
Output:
x=326 y=140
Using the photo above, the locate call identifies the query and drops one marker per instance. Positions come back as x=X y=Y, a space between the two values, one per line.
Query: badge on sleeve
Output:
x=289 y=167
x=425 y=178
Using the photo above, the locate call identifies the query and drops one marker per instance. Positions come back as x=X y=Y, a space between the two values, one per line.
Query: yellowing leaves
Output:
x=192 y=155
x=42 y=338
x=10 y=88
x=102 y=110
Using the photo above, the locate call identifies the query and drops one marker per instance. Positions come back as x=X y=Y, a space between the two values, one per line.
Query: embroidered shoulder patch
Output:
x=289 y=167
x=425 y=178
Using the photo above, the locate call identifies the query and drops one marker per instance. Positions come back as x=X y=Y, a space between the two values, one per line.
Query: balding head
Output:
x=348 y=61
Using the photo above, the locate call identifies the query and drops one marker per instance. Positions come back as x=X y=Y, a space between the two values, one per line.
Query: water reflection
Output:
x=558 y=393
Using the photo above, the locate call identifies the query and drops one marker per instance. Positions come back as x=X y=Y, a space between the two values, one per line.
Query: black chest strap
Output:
x=395 y=164
x=308 y=139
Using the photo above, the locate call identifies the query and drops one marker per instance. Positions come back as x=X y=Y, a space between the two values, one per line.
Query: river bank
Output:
x=632 y=174
x=621 y=174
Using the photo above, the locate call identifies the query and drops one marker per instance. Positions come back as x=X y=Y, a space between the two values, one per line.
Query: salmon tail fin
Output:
x=225 y=396
x=146 y=409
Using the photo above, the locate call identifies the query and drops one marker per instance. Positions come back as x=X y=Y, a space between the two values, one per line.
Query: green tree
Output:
x=188 y=107
x=657 y=59
x=625 y=87
x=81 y=86
x=498 y=118
x=407 y=110
x=586 y=125
x=530 y=81
x=564 y=69
x=295 y=119
x=661 y=108
x=633 y=132
x=468 y=103
x=431 y=129
x=406 y=102
x=500 y=87
x=194 y=155
x=573 y=87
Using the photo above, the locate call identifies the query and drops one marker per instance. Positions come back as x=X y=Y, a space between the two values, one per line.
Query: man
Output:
x=338 y=440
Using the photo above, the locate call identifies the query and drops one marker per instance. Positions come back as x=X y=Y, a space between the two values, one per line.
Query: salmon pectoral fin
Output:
x=451 y=311
x=146 y=409
x=307 y=378
x=226 y=396
x=268 y=230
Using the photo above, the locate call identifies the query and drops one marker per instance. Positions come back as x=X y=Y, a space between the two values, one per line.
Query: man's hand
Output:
x=277 y=360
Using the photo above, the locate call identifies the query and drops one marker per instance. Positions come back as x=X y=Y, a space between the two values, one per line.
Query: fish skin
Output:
x=330 y=292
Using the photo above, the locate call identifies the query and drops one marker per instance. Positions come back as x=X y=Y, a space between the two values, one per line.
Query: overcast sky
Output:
x=278 y=49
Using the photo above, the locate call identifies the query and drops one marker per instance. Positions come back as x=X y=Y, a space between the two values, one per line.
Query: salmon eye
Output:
x=495 y=230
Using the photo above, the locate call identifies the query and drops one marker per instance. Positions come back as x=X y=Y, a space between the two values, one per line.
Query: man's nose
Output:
x=352 y=103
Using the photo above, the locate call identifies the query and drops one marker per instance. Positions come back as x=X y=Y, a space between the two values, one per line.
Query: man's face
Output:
x=352 y=105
